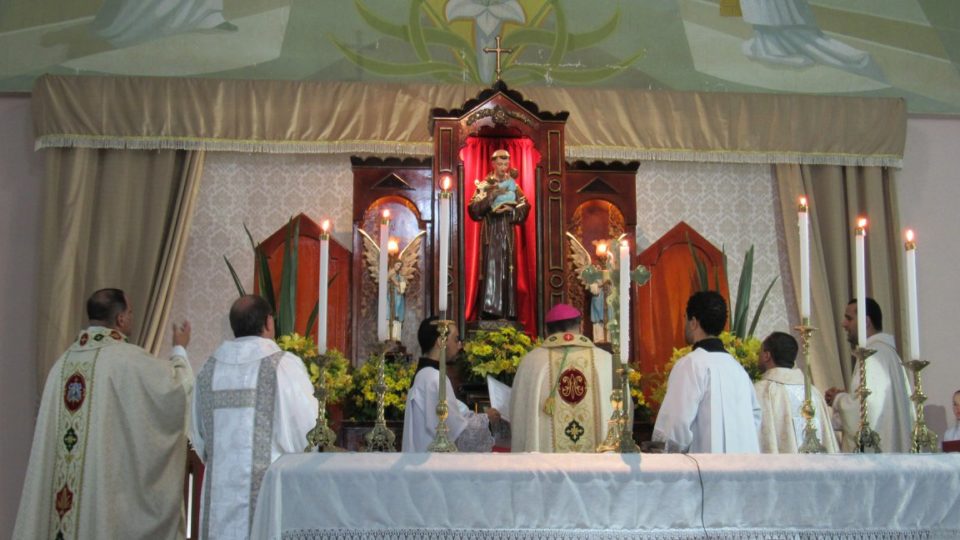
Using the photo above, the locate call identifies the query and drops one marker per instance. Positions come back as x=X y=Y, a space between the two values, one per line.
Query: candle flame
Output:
x=325 y=225
x=386 y=214
x=602 y=249
x=445 y=184
x=909 y=235
x=803 y=203
x=862 y=223
x=392 y=246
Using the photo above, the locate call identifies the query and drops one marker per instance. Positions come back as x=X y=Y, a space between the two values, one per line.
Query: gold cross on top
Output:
x=499 y=51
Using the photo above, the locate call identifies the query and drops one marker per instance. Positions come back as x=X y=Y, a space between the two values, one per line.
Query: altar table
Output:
x=609 y=496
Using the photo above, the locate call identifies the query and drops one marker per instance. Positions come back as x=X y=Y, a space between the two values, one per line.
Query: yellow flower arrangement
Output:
x=496 y=353
x=397 y=376
x=746 y=351
x=338 y=377
x=636 y=379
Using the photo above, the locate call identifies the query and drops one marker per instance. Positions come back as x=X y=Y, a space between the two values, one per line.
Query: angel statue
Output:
x=595 y=277
x=401 y=270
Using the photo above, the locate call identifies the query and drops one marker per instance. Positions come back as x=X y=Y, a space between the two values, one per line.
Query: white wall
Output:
x=929 y=196
x=21 y=173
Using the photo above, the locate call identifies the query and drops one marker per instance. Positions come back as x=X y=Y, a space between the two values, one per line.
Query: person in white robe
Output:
x=252 y=403
x=710 y=405
x=110 y=446
x=889 y=409
x=781 y=393
x=128 y=22
x=953 y=434
x=469 y=431
x=561 y=393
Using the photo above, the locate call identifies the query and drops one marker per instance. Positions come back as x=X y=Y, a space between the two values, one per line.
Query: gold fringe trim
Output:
x=423 y=149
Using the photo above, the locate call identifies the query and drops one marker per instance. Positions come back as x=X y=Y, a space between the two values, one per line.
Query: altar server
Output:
x=781 y=392
x=710 y=405
x=561 y=393
x=252 y=403
x=470 y=432
x=110 y=445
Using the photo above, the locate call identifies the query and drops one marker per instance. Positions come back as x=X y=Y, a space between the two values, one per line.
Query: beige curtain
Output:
x=393 y=119
x=112 y=219
x=838 y=196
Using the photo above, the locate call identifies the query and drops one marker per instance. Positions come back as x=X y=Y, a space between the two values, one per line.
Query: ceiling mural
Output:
x=907 y=48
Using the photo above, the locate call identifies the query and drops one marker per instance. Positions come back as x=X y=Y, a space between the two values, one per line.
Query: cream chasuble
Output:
x=109 y=448
x=781 y=395
x=561 y=396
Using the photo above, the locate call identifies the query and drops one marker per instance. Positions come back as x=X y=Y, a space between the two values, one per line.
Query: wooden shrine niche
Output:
x=600 y=205
x=464 y=140
x=404 y=187
x=308 y=280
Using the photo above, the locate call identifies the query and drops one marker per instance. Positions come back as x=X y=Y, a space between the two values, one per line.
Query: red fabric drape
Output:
x=476 y=165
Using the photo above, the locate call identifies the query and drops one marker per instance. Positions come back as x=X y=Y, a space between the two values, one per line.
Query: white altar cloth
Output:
x=609 y=496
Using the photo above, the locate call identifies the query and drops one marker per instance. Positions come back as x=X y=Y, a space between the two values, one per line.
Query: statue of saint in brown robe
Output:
x=500 y=205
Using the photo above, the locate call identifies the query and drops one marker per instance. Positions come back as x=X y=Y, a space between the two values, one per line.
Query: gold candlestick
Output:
x=321 y=438
x=380 y=438
x=868 y=440
x=619 y=430
x=811 y=441
x=441 y=440
x=924 y=440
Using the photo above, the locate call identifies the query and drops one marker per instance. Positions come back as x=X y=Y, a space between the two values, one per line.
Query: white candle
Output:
x=382 y=282
x=624 y=302
x=804 y=222
x=324 y=278
x=442 y=275
x=861 y=269
x=914 y=328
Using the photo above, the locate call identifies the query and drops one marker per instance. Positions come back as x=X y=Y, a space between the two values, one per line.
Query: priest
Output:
x=710 y=405
x=110 y=444
x=889 y=409
x=561 y=393
x=781 y=393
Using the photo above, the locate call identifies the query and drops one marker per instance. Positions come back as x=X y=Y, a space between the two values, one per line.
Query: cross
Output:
x=497 y=50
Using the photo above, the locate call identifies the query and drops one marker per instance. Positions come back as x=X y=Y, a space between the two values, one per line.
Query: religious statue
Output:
x=595 y=278
x=500 y=205
x=402 y=269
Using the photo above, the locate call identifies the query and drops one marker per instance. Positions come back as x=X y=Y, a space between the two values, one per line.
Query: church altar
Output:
x=609 y=496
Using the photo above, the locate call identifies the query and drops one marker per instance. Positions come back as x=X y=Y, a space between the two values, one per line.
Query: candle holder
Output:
x=441 y=440
x=868 y=440
x=811 y=441
x=321 y=438
x=619 y=429
x=380 y=438
x=924 y=440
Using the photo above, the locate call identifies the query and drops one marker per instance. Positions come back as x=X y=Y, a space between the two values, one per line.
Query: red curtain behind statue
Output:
x=475 y=156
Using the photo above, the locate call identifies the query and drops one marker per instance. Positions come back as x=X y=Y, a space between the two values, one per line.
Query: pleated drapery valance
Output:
x=392 y=119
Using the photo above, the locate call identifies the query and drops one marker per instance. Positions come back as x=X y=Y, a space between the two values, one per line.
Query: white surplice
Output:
x=468 y=430
x=252 y=404
x=109 y=448
x=889 y=409
x=781 y=395
x=710 y=406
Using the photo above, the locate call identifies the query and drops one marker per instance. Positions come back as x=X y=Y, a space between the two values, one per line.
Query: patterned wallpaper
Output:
x=732 y=205
x=263 y=191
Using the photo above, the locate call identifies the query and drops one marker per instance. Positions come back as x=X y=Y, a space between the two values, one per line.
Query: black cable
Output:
x=703 y=499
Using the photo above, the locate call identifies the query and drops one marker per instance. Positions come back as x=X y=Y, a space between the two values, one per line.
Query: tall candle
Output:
x=382 y=282
x=624 y=302
x=324 y=278
x=442 y=275
x=914 y=327
x=804 y=222
x=861 y=268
